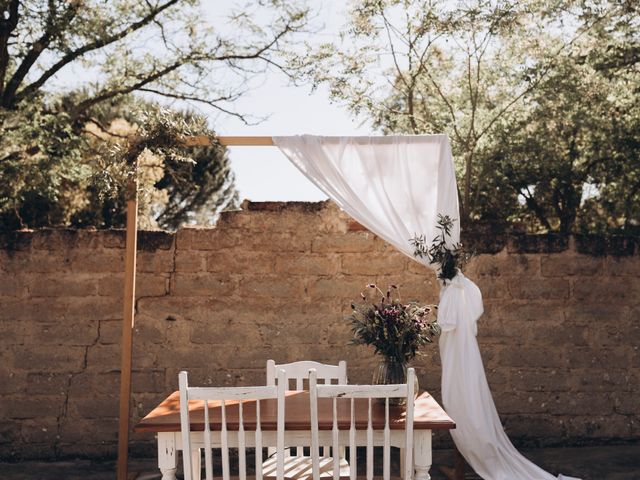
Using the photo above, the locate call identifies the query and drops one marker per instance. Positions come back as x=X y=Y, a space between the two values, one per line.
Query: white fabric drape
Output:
x=465 y=392
x=394 y=199
x=396 y=186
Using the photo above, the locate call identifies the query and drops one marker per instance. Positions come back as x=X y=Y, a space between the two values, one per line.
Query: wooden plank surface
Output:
x=166 y=416
x=230 y=141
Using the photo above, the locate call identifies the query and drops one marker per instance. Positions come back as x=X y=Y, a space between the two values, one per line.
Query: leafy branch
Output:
x=450 y=259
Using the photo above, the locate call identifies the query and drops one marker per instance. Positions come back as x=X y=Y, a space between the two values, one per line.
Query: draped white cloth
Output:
x=396 y=186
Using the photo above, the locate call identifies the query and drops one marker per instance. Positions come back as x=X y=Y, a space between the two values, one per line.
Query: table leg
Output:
x=167 y=460
x=422 y=454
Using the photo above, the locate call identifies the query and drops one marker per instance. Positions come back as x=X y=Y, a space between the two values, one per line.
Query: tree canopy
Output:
x=69 y=69
x=540 y=100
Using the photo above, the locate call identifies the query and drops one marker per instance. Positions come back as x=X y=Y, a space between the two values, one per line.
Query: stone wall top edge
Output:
x=273 y=206
x=479 y=241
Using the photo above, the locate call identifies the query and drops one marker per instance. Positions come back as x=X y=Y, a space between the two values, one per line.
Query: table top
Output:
x=428 y=415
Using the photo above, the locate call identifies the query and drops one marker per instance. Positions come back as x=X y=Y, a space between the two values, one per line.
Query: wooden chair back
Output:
x=298 y=372
x=372 y=393
x=227 y=398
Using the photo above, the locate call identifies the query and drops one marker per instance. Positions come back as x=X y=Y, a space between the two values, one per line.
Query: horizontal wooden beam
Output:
x=235 y=141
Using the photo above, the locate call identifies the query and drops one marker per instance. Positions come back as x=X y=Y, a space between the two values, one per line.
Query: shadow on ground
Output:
x=620 y=462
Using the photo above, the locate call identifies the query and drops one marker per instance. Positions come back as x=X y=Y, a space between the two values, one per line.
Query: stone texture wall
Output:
x=559 y=337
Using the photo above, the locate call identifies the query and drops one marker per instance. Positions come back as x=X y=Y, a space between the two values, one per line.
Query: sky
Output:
x=264 y=173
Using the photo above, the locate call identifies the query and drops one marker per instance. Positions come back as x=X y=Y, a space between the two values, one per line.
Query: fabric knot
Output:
x=460 y=304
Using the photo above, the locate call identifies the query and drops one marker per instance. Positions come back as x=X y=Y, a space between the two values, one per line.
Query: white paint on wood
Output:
x=386 y=438
x=298 y=372
x=226 y=439
x=208 y=462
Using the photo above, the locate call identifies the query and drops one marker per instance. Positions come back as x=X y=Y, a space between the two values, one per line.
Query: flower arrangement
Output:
x=450 y=259
x=396 y=330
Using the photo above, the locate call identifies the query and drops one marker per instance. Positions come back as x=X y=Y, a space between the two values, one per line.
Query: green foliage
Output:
x=40 y=167
x=449 y=258
x=540 y=100
x=69 y=70
x=395 y=330
x=66 y=178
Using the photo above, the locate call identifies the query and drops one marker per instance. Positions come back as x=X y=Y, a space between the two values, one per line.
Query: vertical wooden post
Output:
x=127 y=327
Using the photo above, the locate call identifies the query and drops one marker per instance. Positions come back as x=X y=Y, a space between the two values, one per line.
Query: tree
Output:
x=160 y=49
x=79 y=180
x=475 y=72
x=186 y=185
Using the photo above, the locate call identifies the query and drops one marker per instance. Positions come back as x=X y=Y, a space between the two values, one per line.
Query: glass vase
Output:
x=390 y=372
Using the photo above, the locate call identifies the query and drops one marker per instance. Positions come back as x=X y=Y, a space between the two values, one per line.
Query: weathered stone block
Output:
x=623 y=266
x=63 y=285
x=13 y=286
x=609 y=290
x=542 y=289
x=114 y=238
x=66 y=333
x=193 y=285
x=505 y=265
x=493 y=287
x=542 y=427
x=100 y=261
x=48 y=358
x=599 y=426
x=152 y=285
x=82 y=309
x=351 y=242
x=100 y=406
x=270 y=286
x=571 y=265
x=12 y=381
x=75 y=432
x=41 y=430
x=231 y=261
x=60 y=239
x=158 y=261
x=307 y=265
x=614 y=357
x=150 y=329
x=103 y=358
x=189 y=261
x=532 y=357
x=279 y=241
x=374 y=264
x=110 y=331
x=38 y=261
x=341 y=288
x=548 y=243
x=9 y=433
x=36 y=406
x=47 y=383
x=149 y=381
x=419 y=288
x=227 y=331
x=478 y=243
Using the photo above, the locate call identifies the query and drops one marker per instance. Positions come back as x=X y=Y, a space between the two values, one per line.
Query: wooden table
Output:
x=164 y=420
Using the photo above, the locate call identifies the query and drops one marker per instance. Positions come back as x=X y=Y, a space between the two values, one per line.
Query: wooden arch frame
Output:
x=129 y=305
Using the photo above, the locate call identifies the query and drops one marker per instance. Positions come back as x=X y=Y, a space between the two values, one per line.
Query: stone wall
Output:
x=559 y=337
